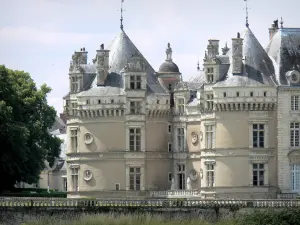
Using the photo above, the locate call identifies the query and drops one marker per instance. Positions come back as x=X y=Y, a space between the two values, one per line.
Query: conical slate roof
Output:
x=258 y=68
x=121 y=51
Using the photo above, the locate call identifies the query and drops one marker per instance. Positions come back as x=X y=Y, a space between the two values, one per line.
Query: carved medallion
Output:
x=193 y=175
x=293 y=76
x=88 y=138
x=87 y=175
x=194 y=137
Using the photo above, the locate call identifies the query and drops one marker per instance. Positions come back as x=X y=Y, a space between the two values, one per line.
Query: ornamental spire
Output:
x=121 y=20
x=247 y=15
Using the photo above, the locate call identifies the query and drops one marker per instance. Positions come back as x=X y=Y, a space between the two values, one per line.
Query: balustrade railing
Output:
x=175 y=194
x=162 y=203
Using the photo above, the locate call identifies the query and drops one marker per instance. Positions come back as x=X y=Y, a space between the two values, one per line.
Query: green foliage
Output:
x=25 y=118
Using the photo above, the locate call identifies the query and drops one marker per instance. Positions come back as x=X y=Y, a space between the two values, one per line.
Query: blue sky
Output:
x=40 y=36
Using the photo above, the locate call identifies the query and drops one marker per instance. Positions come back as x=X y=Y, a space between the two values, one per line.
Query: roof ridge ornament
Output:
x=169 y=53
x=281 y=22
x=121 y=20
x=247 y=13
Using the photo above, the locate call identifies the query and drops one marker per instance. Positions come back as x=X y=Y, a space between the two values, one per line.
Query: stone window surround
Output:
x=176 y=126
x=136 y=125
x=170 y=147
x=209 y=162
x=138 y=106
x=213 y=124
x=262 y=160
x=127 y=173
x=266 y=133
x=74 y=128
x=289 y=134
x=297 y=99
x=180 y=104
x=78 y=80
x=74 y=166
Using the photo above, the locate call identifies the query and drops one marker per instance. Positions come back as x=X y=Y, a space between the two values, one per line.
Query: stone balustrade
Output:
x=176 y=194
x=154 y=203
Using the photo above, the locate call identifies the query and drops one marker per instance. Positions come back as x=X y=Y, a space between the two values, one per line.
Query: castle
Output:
x=230 y=132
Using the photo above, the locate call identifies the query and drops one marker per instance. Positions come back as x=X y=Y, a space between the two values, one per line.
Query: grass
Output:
x=144 y=219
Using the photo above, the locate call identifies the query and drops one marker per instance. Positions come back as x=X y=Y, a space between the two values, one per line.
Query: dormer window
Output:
x=210 y=75
x=135 y=82
x=88 y=102
x=265 y=94
x=74 y=84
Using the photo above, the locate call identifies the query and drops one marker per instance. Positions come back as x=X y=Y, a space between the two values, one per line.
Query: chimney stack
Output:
x=237 y=54
x=102 y=65
x=274 y=28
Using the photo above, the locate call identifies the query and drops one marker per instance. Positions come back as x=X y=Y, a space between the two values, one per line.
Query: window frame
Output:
x=210 y=174
x=294 y=134
x=135 y=137
x=257 y=170
x=294 y=103
x=135 y=82
x=295 y=173
x=134 y=176
x=180 y=139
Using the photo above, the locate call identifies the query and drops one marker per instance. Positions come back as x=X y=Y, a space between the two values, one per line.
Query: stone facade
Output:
x=137 y=133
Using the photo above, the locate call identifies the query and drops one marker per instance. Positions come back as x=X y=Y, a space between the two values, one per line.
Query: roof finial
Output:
x=169 y=52
x=198 y=66
x=121 y=15
x=281 y=23
x=247 y=17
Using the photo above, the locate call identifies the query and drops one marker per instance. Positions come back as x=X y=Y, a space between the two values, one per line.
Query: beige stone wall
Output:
x=157 y=174
x=157 y=135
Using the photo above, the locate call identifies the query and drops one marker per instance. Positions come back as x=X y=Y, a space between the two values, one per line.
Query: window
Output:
x=180 y=139
x=295 y=177
x=238 y=94
x=112 y=101
x=135 y=107
x=258 y=135
x=74 y=108
x=99 y=101
x=181 y=105
x=74 y=178
x=169 y=147
x=258 y=173
x=224 y=94
x=170 y=177
x=169 y=128
x=117 y=187
x=88 y=102
x=210 y=75
x=294 y=132
x=135 y=139
x=265 y=94
x=209 y=136
x=170 y=87
x=74 y=84
x=210 y=101
x=135 y=178
x=210 y=175
x=157 y=102
x=135 y=82
x=295 y=102
x=251 y=94
x=181 y=176
x=74 y=141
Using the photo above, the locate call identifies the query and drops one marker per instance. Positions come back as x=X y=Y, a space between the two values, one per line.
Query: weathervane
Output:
x=121 y=15
x=247 y=16
x=281 y=22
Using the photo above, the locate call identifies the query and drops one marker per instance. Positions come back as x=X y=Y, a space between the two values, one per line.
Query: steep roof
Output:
x=258 y=68
x=284 y=49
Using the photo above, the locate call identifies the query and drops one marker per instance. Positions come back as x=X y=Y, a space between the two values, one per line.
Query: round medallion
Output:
x=194 y=137
x=293 y=76
x=87 y=175
x=193 y=175
x=88 y=138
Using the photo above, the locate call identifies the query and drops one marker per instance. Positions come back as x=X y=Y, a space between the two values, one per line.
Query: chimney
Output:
x=237 y=54
x=212 y=48
x=102 y=65
x=274 y=28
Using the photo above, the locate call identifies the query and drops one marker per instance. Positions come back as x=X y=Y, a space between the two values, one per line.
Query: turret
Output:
x=237 y=54
x=102 y=65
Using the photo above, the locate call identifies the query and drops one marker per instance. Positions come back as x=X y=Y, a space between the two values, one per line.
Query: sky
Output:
x=40 y=36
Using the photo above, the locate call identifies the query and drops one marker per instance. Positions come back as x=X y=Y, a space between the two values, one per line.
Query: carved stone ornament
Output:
x=193 y=175
x=194 y=137
x=87 y=175
x=201 y=135
x=293 y=76
x=88 y=138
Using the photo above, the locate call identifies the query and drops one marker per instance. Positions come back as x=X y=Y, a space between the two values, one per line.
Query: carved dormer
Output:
x=211 y=64
x=102 y=65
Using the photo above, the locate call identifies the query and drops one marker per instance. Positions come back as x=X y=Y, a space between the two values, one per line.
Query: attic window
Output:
x=238 y=94
x=157 y=101
x=99 y=101
x=224 y=94
x=251 y=94
x=265 y=94
x=112 y=101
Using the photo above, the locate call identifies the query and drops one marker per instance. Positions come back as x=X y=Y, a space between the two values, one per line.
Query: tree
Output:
x=25 y=117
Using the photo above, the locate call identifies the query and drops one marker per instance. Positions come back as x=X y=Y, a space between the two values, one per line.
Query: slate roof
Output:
x=196 y=82
x=168 y=67
x=258 y=69
x=284 y=50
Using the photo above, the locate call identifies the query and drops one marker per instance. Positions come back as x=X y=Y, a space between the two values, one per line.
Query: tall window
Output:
x=180 y=139
x=65 y=184
x=135 y=178
x=210 y=101
x=209 y=132
x=135 y=82
x=294 y=102
x=294 y=134
x=74 y=178
x=258 y=132
x=181 y=105
x=74 y=141
x=74 y=108
x=135 y=139
x=169 y=147
x=295 y=177
x=74 y=84
x=210 y=75
x=210 y=175
x=181 y=176
x=135 y=107
x=258 y=173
